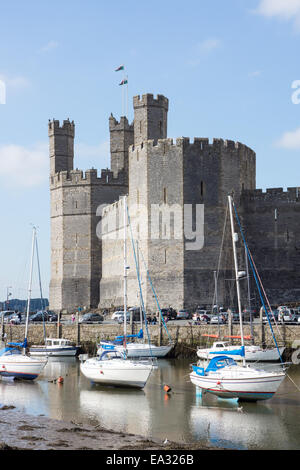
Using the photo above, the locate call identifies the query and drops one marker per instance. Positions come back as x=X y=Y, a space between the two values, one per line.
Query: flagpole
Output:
x=127 y=97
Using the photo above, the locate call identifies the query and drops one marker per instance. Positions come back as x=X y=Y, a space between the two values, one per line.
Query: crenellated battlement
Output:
x=89 y=177
x=199 y=143
x=55 y=128
x=148 y=100
x=272 y=195
x=122 y=125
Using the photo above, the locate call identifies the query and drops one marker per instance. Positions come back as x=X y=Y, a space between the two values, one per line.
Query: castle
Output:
x=177 y=201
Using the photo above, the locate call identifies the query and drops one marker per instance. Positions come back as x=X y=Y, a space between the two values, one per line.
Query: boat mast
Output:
x=125 y=270
x=29 y=288
x=249 y=294
x=234 y=240
x=40 y=283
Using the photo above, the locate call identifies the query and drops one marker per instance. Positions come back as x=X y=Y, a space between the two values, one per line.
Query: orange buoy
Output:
x=60 y=380
x=167 y=388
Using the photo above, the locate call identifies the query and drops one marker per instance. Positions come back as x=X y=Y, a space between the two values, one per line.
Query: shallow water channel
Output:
x=183 y=415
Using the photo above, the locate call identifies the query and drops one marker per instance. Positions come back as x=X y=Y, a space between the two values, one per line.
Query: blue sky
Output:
x=226 y=67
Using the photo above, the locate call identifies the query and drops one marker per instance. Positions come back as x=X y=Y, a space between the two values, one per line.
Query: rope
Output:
x=154 y=293
x=139 y=282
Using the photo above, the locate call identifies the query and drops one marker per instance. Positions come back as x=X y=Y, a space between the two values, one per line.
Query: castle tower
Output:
x=121 y=137
x=61 y=145
x=150 y=118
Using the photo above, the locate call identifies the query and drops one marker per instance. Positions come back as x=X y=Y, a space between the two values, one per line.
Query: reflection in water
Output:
x=121 y=410
x=183 y=415
x=23 y=395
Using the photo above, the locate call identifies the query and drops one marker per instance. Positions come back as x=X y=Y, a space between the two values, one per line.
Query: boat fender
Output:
x=60 y=380
x=167 y=388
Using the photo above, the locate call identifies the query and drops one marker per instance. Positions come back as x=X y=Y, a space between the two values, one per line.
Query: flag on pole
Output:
x=120 y=68
x=123 y=82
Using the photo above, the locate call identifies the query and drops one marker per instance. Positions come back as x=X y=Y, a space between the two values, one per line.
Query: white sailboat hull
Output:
x=252 y=353
x=135 y=350
x=53 y=351
x=21 y=367
x=243 y=383
x=117 y=372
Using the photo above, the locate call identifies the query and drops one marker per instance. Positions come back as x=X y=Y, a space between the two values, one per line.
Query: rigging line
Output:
x=256 y=280
x=139 y=281
x=221 y=249
x=154 y=293
x=265 y=295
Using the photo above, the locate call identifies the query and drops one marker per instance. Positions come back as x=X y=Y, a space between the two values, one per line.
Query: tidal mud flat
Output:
x=19 y=431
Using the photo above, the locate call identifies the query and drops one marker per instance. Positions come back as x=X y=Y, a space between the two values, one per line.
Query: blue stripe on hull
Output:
x=249 y=396
x=19 y=375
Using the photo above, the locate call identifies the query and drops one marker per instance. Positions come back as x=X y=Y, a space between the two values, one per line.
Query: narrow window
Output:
x=165 y=256
x=165 y=195
x=201 y=188
x=160 y=127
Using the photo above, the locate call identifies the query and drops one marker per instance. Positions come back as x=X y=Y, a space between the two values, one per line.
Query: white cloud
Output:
x=23 y=167
x=282 y=9
x=17 y=82
x=49 y=46
x=290 y=140
x=204 y=48
x=256 y=73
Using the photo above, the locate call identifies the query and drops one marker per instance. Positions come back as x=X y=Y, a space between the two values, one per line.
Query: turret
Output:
x=61 y=146
x=150 y=118
x=121 y=137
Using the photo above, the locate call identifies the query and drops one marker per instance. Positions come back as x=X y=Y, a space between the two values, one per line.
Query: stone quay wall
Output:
x=186 y=337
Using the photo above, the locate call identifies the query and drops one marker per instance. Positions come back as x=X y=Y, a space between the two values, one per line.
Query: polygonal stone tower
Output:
x=150 y=118
x=121 y=137
x=61 y=145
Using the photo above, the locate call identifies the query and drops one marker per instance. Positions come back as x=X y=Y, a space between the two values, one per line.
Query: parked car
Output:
x=6 y=314
x=16 y=318
x=201 y=317
x=285 y=315
x=120 y=319
x=218 y=319
x=91 y=318
x=183 y=315
x=43 y=316
x=169 y=313
x=273 y=316
x=116 y=315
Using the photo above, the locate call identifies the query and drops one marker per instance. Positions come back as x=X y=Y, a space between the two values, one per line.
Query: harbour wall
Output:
x=186 y=338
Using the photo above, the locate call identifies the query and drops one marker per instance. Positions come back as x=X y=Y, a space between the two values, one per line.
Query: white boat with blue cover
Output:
x=224 y=378
x=252 y=353
x=112 y=368
x=135 y=349
x=16 y=365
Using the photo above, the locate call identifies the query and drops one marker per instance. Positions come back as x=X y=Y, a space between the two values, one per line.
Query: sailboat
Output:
x=253 y=353
x=135 y=347
x=14 y=360
x=113 y=367
x=223 y=377
x=52 y=346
